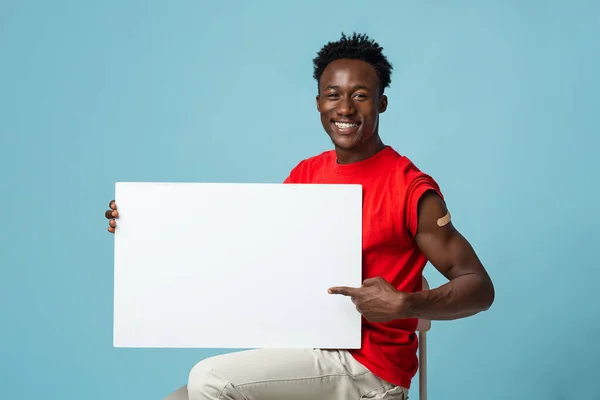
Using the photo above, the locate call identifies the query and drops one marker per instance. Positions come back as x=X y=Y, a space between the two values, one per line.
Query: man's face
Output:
x=349 y=103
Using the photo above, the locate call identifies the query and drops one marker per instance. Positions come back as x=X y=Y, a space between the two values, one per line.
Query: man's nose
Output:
x=346 y=106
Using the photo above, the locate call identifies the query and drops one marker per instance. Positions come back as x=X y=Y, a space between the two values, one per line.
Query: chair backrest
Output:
x=424 y=325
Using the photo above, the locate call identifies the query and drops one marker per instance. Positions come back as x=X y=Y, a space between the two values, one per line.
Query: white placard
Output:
x=233 y=265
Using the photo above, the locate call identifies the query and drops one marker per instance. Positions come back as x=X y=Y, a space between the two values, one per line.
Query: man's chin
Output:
x=344 y=142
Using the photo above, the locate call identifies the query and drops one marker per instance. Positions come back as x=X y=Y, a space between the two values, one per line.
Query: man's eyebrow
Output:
x=355 y=87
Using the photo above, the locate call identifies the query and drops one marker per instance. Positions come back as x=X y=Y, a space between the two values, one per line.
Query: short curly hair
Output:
x=358 y=47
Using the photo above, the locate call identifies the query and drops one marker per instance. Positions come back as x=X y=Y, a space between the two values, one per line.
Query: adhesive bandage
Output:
x=444 y=220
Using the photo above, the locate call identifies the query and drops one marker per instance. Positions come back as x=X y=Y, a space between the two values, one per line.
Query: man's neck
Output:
x=359 y=153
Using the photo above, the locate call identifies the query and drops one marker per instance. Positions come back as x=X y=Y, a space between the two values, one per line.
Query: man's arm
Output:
x=470 y=289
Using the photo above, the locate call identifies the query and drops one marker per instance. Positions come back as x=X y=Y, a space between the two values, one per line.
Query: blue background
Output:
x=497 y=100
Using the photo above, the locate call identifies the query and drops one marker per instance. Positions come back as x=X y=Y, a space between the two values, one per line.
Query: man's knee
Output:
x=204 y=382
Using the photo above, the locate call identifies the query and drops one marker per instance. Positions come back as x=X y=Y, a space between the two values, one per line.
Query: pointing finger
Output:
x=343 y=290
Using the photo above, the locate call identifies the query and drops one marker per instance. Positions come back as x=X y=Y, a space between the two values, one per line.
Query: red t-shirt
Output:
x=392 y=186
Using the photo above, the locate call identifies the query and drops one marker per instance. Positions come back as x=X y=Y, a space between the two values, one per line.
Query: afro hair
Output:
x=358 y=47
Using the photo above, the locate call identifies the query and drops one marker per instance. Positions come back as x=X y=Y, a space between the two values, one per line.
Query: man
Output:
x=405 y=224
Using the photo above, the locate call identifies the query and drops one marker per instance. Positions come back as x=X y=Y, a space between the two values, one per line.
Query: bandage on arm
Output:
x=444 y=220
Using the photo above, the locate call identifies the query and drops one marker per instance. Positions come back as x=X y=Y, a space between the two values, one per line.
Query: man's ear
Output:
x=318 y=106
x=383 y=103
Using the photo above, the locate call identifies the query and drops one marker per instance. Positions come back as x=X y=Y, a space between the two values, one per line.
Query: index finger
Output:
x=112 y=205
x=343 y=290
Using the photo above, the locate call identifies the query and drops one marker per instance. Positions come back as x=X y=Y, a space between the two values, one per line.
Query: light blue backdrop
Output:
x=497 y=100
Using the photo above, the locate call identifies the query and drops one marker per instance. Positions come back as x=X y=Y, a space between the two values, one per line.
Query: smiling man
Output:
x=405 y=224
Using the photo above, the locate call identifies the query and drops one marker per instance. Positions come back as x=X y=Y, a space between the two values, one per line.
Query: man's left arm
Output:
x=470 y=289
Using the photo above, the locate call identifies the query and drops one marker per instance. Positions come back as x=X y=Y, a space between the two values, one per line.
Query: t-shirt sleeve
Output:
x=418 y=184
x=295 y=175
x=299 y=174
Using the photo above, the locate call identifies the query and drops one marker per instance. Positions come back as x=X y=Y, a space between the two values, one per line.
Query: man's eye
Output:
x=361 y=96
x=333 y=96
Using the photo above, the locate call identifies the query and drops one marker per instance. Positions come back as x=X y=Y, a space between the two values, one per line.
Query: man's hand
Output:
x=377 y=300
x=112 y=214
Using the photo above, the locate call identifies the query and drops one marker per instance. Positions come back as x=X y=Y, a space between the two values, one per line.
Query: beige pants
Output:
x=293 y=374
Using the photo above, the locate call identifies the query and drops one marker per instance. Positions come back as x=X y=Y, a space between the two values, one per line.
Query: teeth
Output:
x=344 y=125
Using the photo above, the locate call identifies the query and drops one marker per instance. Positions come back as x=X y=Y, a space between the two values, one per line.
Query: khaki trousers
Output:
x=285 y=374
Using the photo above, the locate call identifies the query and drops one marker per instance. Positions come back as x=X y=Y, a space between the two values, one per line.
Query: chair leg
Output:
x=423 y=365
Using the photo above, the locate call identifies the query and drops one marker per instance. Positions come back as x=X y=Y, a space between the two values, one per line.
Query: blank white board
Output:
x=220 y=265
